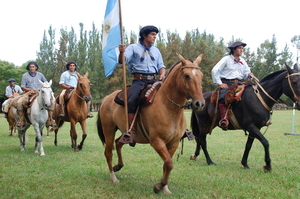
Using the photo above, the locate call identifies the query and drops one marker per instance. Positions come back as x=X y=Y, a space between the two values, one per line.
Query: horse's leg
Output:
x=73 y=135
x=21 y=134
x=120 y=164
x=84 y=134
x=254 y=132
x=166 y=155
x=38 y=139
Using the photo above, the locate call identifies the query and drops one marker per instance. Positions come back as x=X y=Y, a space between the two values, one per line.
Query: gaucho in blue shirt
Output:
x=144 y=61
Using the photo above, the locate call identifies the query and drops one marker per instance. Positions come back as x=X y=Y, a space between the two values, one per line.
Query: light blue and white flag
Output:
x=111 y=37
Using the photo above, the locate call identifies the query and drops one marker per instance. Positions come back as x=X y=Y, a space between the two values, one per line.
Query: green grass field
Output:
x=63 y=173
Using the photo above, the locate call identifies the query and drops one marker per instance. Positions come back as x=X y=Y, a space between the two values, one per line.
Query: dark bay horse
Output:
x=75 y=111
x=163 y=121
x=250 y=112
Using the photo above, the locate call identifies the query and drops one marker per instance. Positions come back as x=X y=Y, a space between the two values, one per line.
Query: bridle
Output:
x=276 y=101
x=188 y=92
x=81 y=91
x=290 y=84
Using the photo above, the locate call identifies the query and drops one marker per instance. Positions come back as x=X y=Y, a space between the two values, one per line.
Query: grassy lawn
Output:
x=63 y=173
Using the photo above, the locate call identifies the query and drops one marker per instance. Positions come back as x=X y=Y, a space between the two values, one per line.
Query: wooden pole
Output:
x=124 y=69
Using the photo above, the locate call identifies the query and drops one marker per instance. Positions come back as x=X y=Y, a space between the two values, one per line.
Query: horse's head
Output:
x=293 y=79
x=46 y=93
x=84 y=86
x=187 y=81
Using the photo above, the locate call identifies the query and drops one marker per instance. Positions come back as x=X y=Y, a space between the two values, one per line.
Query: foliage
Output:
x=85 y=50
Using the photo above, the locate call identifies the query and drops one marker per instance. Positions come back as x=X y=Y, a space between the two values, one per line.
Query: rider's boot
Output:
x=51 y=121
x=62 y=110
x=21 y=123
x=5 y=115
x=128 y=137
x=224 y=118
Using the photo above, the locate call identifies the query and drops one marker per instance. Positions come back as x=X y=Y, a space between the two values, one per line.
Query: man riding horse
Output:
x=144 y=63
x=68 y=81
x=229 y=70
x=31 y=85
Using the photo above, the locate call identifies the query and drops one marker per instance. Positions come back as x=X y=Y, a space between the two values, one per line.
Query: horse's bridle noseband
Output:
x=290 y=83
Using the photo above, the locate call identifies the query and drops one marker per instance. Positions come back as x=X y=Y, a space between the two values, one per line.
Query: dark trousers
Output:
x=133 y=94
x=223 y=92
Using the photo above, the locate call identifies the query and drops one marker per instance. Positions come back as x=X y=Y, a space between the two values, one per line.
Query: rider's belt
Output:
x=230 y=80
x=144 y=76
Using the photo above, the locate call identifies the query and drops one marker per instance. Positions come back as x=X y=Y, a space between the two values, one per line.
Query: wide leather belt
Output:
x=144 y=76
x=230 y=80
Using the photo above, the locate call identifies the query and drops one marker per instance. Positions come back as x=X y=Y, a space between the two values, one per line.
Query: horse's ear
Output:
x=86 y=74
x=181 y=58
x=288 y=69
x=296 y=67
x=199 y=59
x=41 y=82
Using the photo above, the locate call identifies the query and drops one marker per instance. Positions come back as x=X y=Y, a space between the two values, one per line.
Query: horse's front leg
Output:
x=84 y=134
x=39 y=139
x=21 y=135
x=254 y=132
x=166 y=155
x=73 y=135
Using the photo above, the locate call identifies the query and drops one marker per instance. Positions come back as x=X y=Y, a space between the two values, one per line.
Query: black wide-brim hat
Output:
x=236 y=44
x=11 y=80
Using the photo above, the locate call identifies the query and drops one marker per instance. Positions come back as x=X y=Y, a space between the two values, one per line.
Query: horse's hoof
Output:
x=157 y=188
x=193 y=157
x=79 y=147
x=43 y=154
x=267 y=169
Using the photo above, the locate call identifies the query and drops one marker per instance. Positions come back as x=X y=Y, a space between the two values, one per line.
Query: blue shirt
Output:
x=32 y=81
x=68 y=78
x=229 y=68
x=9 y=90
x=133 y=54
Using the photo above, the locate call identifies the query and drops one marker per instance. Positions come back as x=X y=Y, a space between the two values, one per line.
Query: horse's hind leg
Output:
x=109 y=146
x=120 y=164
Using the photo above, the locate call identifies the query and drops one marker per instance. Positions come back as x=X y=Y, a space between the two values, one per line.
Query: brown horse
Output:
x=161 y=123
x=76 y=111
x=11 y=122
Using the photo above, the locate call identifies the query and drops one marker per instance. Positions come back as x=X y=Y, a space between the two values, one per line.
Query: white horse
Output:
x=37 y=117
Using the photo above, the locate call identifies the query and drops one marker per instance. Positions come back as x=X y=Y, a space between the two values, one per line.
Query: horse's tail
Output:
x=99 y=127
x=195 y=125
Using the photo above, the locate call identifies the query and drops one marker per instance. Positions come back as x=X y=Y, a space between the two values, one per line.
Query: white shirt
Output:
x=229 y=68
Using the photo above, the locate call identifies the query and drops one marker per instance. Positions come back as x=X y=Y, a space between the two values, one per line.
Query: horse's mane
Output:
x=272 y=76
x=173 y=66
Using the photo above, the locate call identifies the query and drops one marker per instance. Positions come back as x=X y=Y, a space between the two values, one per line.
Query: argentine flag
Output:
x=111 y=37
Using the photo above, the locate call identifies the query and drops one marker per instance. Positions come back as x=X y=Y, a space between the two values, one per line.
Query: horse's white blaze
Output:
x=194 y=71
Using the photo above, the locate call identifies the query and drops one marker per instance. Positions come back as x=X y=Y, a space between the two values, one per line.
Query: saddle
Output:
x=67 y=95
x=146 y=96
x=234 y=93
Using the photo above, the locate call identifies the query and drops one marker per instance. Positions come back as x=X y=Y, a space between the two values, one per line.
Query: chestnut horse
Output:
x=251 y=112
x=11 y=121
x=75 y=111
x=163 y=121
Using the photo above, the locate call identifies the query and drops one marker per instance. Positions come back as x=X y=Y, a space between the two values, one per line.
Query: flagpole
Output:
x=124 y=69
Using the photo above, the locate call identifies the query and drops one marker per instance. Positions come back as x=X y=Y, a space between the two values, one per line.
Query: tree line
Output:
x=85 y=48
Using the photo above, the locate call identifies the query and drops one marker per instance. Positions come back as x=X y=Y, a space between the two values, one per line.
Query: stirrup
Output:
x=125 y=138
x=224 y=123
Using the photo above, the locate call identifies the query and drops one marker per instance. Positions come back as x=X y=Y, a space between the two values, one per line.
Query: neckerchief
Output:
x=146 y=48
x=238 y=61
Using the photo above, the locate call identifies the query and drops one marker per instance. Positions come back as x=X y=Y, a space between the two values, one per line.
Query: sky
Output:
x=23 y=22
